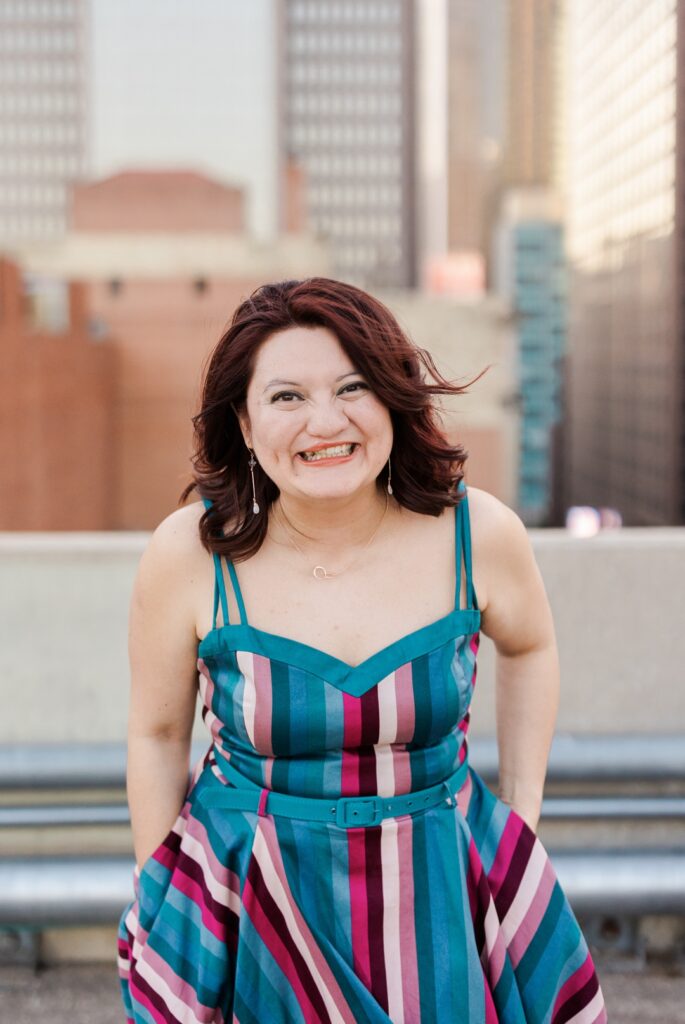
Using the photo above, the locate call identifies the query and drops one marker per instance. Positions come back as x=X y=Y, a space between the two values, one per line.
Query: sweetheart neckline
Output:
x=329 y=666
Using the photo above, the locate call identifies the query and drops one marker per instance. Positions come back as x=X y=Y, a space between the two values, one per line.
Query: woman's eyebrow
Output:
x=295 y=384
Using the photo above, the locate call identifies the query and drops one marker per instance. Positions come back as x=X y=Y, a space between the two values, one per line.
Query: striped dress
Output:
x=448 y=909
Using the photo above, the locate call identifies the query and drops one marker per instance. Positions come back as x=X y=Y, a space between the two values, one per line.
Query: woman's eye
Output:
x=354 y=384
x=284 y=394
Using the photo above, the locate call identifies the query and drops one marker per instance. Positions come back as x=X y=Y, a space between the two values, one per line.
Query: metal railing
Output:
x=39 y=891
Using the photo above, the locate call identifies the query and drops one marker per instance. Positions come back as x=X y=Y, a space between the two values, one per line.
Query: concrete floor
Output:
x=90 y=995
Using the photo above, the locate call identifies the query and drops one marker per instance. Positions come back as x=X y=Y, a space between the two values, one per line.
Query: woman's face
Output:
x=304 y=399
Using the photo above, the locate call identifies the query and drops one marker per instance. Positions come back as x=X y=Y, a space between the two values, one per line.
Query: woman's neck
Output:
x=330 y=523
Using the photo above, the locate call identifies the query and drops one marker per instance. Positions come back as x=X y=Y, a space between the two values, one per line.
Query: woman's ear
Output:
x=243 y=423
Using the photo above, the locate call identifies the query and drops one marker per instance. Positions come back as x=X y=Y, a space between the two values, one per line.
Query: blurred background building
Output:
x=459 y=156
x=347 y=116
x=626 y=436
x=44 y=114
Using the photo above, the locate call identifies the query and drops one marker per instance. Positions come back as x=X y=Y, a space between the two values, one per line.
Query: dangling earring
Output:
x=389 y=478
x=252 y=463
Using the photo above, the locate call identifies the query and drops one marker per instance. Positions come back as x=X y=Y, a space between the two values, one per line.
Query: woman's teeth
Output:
x=328 y=453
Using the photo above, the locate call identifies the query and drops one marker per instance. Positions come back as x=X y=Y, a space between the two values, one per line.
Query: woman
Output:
x=334 y=857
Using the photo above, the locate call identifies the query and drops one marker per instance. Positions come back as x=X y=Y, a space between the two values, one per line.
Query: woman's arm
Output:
x=163 y=658
x=518 y=619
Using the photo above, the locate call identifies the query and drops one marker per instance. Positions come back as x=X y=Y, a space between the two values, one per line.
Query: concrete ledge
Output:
x=637 y=757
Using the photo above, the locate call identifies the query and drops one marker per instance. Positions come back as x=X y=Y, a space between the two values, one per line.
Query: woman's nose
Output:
x=326 y=418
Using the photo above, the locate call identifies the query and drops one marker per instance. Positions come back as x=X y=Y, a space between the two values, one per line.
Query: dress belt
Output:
x=346 y=811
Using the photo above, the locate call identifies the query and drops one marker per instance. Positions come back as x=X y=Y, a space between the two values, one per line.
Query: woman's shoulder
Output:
x=490 y=516
x=174 y=548
x=498 y=538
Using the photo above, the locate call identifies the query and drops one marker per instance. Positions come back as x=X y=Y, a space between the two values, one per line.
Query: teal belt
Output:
x=346 y=811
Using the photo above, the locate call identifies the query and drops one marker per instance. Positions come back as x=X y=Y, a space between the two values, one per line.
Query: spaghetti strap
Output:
x=471 y=602
x=462 y=543
x=237 y=591
x=220 y=587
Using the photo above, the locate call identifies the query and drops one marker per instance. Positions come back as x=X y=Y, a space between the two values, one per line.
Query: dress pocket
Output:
x=164 y=850
x=517 y=817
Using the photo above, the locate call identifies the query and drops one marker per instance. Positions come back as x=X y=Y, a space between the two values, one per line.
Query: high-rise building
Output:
x=529 y=251
x=346 y=94
x=530 y=274
x=626 y=208
x=43 y=114
x=534 y=137
x=475 y=119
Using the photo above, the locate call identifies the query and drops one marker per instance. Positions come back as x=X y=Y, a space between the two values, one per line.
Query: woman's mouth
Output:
x=332 y=452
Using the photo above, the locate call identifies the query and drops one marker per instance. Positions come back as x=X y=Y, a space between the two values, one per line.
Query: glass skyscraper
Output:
x=626 y=441
x=43 y=114
x=347 y=95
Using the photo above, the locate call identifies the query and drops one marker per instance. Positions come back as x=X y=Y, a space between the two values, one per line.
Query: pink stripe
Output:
x=573 y=984
x=163 y=855
x=352 y=737
x=268 y=831
x=141 y=998
x=183 y=990
x=261 y=674
x=408 y=957
x=358 y=903
x=490 y=1009
x=497 y=957
x=272 y=940
x=539 y=901
x=195 y=893
x=505 y=851
x=406 y=711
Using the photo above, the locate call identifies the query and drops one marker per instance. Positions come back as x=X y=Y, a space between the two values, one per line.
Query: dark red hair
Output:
x=426 y=469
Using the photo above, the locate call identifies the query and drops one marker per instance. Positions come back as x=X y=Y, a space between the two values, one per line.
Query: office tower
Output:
x=530 y=274
x=534 y=89
x=346 y=93
x=626 y=444
x=43 y=114
x=529 y=253
x=475 y=118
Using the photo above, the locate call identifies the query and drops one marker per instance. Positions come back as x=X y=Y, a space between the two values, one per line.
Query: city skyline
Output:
x=179 y=62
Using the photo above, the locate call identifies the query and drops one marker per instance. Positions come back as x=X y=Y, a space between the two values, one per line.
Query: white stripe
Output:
x=387 y=710
x=391 y=919
x=245 y=662
x=221 y=893
x=588 y=1015
x=526 y=891
x=180 y=1009
x=260 y=851
x=491 y=928
x=385 y=770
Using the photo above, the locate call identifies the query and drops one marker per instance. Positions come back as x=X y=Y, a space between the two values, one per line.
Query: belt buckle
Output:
x=351 y=811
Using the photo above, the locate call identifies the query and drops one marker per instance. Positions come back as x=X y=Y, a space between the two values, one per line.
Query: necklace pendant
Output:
x=319 y=573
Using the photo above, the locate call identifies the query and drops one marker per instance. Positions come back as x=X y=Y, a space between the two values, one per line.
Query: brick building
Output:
x=164 y=261
x=57 y=400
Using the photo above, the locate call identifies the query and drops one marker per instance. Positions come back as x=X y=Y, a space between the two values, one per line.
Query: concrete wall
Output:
x=617 y=602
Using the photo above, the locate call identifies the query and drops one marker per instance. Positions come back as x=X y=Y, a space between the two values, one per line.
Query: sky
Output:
x=187 y=85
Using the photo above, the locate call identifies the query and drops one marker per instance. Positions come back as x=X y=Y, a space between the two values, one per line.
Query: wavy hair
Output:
x=426 y=468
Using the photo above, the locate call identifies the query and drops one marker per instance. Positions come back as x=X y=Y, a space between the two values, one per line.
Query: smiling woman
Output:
x=333 y=856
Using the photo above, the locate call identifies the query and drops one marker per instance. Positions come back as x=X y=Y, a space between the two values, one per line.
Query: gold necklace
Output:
x=319 y=572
